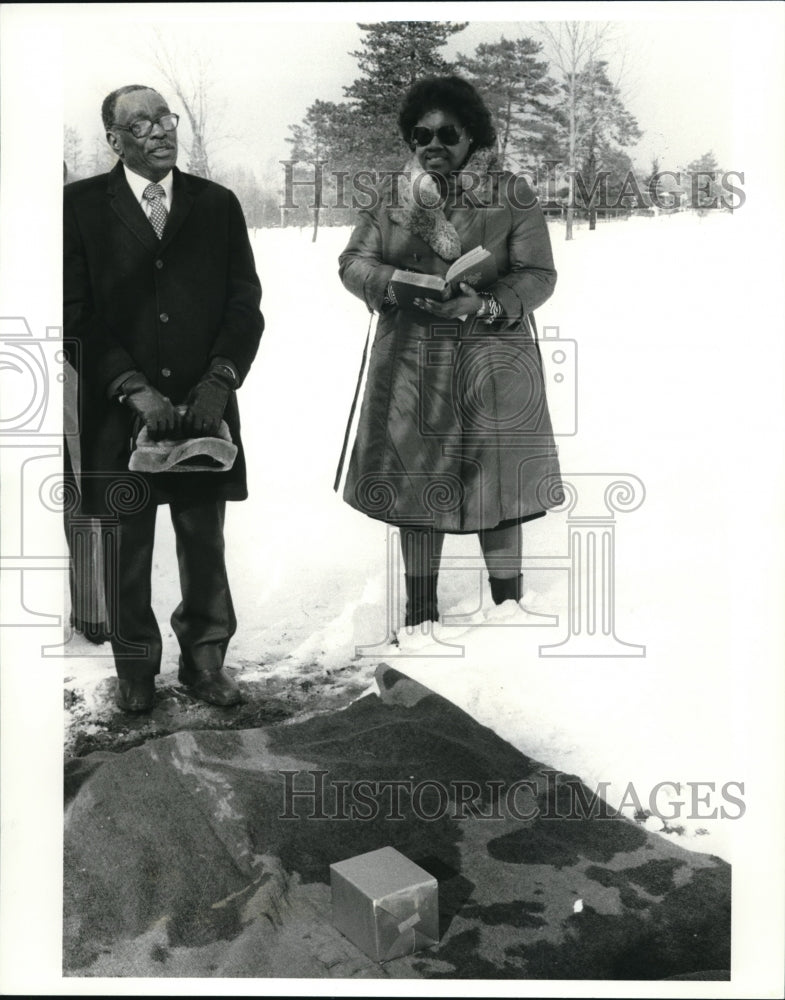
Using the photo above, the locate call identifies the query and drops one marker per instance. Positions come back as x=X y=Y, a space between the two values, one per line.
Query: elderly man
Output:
x=161 y=312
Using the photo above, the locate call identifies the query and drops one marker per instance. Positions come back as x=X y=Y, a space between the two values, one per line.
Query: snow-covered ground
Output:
x=665 y=394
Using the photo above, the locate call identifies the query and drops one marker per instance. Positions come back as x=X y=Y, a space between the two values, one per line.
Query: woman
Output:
x=454 y=434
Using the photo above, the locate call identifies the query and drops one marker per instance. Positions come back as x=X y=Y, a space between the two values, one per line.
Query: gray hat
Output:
x=202 y=454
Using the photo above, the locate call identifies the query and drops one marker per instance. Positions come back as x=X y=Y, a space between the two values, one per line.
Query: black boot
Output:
x=211 y=684
x=421 y=603
x=506 y=588
x=95 y=632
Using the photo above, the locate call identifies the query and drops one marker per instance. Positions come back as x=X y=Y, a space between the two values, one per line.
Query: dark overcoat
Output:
x=164 y=307
x=454 y=430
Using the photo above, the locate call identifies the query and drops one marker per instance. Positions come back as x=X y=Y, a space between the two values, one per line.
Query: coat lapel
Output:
x=132 y=214
x=128 y=208
x=182 y=203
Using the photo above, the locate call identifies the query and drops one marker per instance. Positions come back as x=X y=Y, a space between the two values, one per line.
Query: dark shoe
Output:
x=215 y=687
x=421 y=605
x=136 y=694
x=95 y=632
x=506 y=588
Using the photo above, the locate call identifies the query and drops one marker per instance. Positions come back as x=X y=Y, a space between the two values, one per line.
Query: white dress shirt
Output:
x=138 y=183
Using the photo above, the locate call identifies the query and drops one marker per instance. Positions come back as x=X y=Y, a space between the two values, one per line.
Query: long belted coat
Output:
x=454 y=431
x=164 y=307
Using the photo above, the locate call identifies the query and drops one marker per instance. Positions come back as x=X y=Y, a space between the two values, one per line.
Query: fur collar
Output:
x=420 y=201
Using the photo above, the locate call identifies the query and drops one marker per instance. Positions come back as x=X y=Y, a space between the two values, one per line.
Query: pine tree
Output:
x=706 y=163
x=361 y=133
x=608 y=125
x=702 y=182
x=315 y=142
x=515 y=86
x=652 y=181
x=393 y=56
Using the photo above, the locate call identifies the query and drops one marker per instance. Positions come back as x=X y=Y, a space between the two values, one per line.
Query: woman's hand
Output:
x=466 y=304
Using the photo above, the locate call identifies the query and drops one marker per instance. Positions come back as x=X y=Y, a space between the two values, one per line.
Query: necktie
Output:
x=154 y=193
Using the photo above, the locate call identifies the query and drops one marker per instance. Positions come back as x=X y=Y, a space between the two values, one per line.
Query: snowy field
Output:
x=665 y=384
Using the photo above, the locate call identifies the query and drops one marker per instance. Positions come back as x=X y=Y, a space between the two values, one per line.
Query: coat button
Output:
x=166 y=372
x=159 y=264
x=164 y=317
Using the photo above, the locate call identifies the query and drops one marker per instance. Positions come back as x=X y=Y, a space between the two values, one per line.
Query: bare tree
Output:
x=189 y=78
x=574 y=47
x=103 y=159
x=72 y=151
x=85 y=158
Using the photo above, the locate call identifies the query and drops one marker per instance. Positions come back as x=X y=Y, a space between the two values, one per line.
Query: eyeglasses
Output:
x=142 y=128
x=447 y=134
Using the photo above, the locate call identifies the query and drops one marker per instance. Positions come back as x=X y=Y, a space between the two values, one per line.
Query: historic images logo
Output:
x=308 y=184
x=314 y=795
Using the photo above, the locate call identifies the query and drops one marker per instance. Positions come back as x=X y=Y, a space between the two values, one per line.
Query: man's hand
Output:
x=466 y=304
x=156 y=410
x=206 y=403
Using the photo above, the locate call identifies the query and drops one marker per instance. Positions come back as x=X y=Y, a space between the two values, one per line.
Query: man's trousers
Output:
x=203 y=622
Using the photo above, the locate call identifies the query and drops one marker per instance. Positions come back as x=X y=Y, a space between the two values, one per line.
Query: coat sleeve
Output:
x=361 y=266
x=532 y=276
x=91 y=348
x=242 y=326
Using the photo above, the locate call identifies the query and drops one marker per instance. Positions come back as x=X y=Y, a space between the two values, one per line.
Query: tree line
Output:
x=559 y=116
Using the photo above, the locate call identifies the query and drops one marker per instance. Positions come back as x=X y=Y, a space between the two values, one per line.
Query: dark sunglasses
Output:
x=449 y=135
x=144 y=126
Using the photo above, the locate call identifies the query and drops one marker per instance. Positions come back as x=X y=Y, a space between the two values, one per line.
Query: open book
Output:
x=477 y=268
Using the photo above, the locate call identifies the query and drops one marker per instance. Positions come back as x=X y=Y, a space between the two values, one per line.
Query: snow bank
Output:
x=661 y=396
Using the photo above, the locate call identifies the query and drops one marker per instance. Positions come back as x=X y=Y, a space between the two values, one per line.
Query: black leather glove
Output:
x=156 y=410
x=206 y=403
